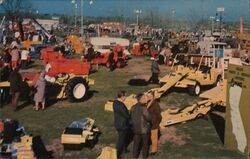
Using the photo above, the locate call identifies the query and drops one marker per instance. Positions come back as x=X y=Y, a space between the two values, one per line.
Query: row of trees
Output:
x=195 y=18
x=14 y=7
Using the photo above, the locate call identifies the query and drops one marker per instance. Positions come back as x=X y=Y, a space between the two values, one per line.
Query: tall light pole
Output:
x=173 y=18
x=137 y=12
x=90 y=3
x=75 y=10
x=212 y=23
x=220 y=11
x=82 y=18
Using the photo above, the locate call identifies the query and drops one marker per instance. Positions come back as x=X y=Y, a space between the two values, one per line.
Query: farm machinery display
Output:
x=145 y=47
x=76 y=42
x=79 y=133
x=194 y=72
x=119 y=57
x=67 y=78
x=186 y=76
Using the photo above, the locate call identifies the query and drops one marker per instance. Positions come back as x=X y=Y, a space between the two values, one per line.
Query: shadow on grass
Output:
x=137 y=82
x=90 y=94
x=24 y=104
x=219 y=124
x=40 y=149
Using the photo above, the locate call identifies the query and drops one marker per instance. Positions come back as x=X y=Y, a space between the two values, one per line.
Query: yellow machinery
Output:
x=196 y=70
x=213 y=97
x=79 y=133
x=185 y=76
x=76 y=43
x=108 y=153
x=22 y=149
x=27 y=43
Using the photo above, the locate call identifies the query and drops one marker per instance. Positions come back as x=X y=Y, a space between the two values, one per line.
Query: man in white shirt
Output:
x=24 y=58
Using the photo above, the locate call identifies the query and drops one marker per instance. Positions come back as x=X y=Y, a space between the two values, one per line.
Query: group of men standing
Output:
x=143 y=119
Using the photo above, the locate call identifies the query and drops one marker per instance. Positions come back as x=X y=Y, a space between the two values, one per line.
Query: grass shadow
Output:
x=137 y=82
x=40 y=149
x=90 y=94
x=219 y=125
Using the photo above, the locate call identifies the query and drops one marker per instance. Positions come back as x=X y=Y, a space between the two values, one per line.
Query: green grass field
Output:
x=197 y=139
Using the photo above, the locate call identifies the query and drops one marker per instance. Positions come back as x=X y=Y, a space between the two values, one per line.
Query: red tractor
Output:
x=119 y=57
x=67 y=78
x=71 y=75
x=143 y=48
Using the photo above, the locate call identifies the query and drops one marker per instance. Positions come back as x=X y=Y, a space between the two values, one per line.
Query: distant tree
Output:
x=14 y=7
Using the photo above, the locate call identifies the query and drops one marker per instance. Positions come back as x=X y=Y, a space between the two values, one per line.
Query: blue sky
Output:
x=234 y=9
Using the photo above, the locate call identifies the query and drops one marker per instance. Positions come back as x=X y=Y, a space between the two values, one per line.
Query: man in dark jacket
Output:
x=121 y=117
x=155 y=71
x=15 y=80
x=111 y=60
x=141 y=121
x=155 y=112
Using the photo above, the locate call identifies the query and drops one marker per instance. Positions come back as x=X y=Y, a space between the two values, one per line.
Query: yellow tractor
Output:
x=197 y=70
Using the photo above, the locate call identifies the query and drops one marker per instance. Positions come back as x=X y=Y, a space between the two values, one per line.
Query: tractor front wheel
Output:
x=76 y=89
x=194 y=90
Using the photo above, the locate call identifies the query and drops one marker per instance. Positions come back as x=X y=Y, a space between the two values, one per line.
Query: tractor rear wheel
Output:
x=76 y=89
x=194 y=90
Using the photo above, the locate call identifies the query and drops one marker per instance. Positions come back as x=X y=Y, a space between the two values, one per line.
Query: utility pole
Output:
x=82 y=18
x=173 y=19
x=137 y=15
x=220 y=11
x=74 y=3
x=212 y=23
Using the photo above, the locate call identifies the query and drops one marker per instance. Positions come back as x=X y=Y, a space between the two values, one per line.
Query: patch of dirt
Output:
x=164 y=106
x=169 y=134
x=56 y=147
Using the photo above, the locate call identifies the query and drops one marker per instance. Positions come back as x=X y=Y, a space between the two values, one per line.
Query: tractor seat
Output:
x=205 y=69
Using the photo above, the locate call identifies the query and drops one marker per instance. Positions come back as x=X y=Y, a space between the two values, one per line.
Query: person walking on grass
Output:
x=14 y=58
x=15 y=80
x=39 y=96
x=155 y=112
x=155 y=71
x=141 y=121
x=121 y=122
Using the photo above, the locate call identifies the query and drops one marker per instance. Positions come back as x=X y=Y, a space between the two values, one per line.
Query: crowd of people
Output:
x=141 y=124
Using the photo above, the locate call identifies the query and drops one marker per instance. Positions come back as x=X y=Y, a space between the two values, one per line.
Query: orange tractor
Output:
x=143 y=48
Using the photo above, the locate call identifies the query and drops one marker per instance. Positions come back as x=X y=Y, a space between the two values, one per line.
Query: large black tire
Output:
x=194 y=90
x=76 y=84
